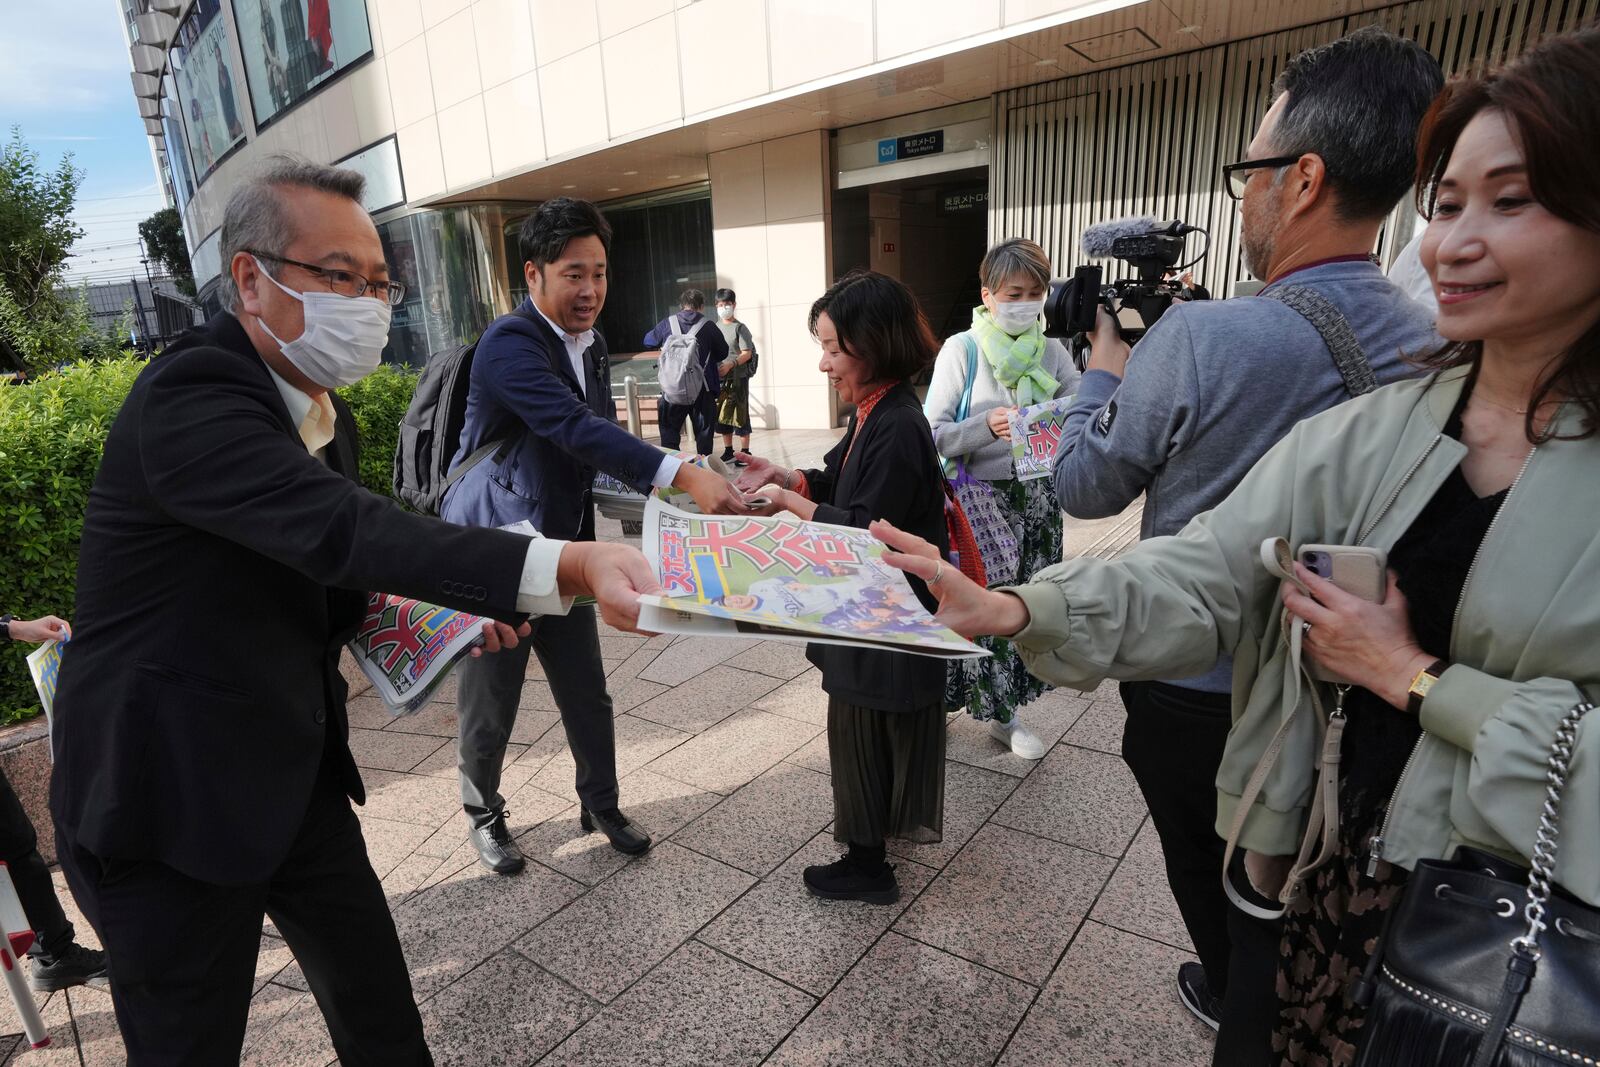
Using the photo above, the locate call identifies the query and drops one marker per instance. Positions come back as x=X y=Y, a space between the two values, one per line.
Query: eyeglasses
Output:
x=343 y=282
x=1236 y=175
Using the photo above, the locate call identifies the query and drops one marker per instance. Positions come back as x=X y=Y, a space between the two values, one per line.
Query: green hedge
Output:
x=52 y=432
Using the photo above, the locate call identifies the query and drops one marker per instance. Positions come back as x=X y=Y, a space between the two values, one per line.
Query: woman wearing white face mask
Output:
x=1014 y=365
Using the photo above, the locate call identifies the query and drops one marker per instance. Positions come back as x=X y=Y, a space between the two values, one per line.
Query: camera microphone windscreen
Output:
x=1097 y=239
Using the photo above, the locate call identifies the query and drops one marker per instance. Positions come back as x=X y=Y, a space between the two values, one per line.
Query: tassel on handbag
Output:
x=1483 y=963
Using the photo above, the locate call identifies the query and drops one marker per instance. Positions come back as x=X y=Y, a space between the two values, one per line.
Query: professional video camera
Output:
x=1153 y=248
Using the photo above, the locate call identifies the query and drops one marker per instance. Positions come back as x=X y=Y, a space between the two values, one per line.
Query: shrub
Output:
x=379 y=402
x=52 y=433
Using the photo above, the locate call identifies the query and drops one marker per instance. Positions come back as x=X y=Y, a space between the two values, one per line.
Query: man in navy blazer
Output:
x=541 y=386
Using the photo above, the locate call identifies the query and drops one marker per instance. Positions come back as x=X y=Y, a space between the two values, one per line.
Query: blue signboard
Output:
x=892 y=149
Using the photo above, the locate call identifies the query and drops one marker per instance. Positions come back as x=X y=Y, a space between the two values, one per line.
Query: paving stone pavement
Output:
x=1041 y=931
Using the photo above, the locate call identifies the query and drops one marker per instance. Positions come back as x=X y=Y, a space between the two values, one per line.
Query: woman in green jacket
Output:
x=1481 y=482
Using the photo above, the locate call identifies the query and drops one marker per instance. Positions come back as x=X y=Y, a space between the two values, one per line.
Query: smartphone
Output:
x=1357 y=569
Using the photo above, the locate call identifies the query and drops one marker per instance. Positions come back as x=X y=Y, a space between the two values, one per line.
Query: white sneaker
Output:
x=1023 y=741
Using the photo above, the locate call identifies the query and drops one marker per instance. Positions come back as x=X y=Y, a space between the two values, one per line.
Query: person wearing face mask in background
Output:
x=203 y=773
x=733 y=405
x=1015 y=365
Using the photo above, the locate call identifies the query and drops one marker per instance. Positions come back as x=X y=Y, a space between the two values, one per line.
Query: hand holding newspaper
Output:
x=784 y=579
x=1036 y=437
x=407 y=648
x=44 y=663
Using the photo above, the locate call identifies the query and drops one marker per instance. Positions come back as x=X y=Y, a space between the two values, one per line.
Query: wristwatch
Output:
x=1422 y=683
x=5 y=624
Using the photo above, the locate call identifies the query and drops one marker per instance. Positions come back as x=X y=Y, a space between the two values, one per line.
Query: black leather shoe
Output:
x=624 y=836
x=496 y=848
x=1195 y=992
x=849 y=879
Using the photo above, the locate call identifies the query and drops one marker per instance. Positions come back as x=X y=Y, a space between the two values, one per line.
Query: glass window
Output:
x=380 y=165
x=452 y=262
x=292 y=46
x=657 y=251
x=177 y=151
x=203 y=61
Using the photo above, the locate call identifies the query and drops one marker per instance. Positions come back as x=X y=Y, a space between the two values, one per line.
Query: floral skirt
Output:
x=996 y=686
x=1329 y=934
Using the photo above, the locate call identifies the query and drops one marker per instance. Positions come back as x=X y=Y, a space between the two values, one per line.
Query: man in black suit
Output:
x=201 y=743
x=541 y=390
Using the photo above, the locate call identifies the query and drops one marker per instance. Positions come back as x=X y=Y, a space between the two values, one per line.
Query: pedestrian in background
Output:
x=1012 y=365
x=733 y=404
x=713 y=353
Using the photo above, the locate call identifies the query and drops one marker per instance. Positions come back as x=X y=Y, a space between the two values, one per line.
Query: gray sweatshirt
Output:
x=971 y=440
x=1210 y=388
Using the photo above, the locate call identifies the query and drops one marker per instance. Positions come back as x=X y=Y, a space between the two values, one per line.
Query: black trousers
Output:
x=702 y=415
x=568 y=647
x=1172 y=742
x=19 y=847
x=184 y=951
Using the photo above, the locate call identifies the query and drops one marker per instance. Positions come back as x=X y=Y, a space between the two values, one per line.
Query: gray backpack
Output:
x=682 y=377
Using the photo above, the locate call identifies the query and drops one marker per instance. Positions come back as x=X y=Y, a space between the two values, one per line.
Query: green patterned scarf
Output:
x=1015 y=360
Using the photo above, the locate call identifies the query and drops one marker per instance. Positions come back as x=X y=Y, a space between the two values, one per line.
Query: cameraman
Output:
x=1213 y=386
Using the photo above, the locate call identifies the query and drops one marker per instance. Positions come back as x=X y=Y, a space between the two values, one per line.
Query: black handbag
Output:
x=1483 y=963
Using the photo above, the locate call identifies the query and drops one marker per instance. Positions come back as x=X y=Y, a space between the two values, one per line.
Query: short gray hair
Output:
x=1357 y=102
x=255 y=217
x=1016 y=255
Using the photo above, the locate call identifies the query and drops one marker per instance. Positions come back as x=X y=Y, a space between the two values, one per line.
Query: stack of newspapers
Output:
x=777 y=578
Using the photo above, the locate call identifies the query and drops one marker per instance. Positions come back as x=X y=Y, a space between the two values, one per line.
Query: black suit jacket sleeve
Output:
x=215 y=457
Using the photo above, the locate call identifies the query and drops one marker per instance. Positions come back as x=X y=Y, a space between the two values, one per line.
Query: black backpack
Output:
x=431 y=430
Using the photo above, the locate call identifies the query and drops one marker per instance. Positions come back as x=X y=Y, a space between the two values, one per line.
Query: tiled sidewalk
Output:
x=1039 y=932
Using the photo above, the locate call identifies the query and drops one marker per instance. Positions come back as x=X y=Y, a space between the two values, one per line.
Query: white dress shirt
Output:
x=537 y=593
x=577 y=345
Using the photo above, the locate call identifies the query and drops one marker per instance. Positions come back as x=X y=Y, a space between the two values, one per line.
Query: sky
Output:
x=65 y=81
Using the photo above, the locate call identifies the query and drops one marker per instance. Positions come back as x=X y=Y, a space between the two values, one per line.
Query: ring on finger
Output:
x=1305 y=627
x=938 y=575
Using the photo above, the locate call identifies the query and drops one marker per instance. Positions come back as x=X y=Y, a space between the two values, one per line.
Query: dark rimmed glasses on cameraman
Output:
x=343 y=282
x=1236 y=175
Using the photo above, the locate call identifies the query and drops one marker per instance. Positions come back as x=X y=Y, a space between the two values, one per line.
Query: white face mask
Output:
x=1017 y=316
x=343 y=339
x=725 y=312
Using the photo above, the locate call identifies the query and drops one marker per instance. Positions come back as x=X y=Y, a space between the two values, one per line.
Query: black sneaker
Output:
x=72 y=966
x=847 y=879
x=1195 y=992
x=496 y=848
x=743 y=458
x=727 y=455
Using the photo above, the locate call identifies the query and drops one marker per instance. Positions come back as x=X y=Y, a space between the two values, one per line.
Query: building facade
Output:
x=762 y=145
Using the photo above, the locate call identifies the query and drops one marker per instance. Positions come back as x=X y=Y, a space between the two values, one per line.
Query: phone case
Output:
x=1358 y=570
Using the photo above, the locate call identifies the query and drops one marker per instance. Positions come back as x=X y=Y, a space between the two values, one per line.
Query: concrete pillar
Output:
x=883 y=216
x=771 y=220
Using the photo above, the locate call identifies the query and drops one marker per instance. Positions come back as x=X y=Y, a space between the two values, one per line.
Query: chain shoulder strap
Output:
x=1543 y=861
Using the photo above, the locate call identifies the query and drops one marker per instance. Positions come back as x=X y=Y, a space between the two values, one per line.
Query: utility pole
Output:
x=144 y=258
x=143 y=327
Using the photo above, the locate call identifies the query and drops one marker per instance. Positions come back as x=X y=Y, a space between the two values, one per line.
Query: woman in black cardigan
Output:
x=886 y=726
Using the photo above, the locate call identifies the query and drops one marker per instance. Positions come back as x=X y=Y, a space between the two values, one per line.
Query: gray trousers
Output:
x=490 y=690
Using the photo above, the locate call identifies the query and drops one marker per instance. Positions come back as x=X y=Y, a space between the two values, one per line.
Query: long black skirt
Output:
x=888 y=773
